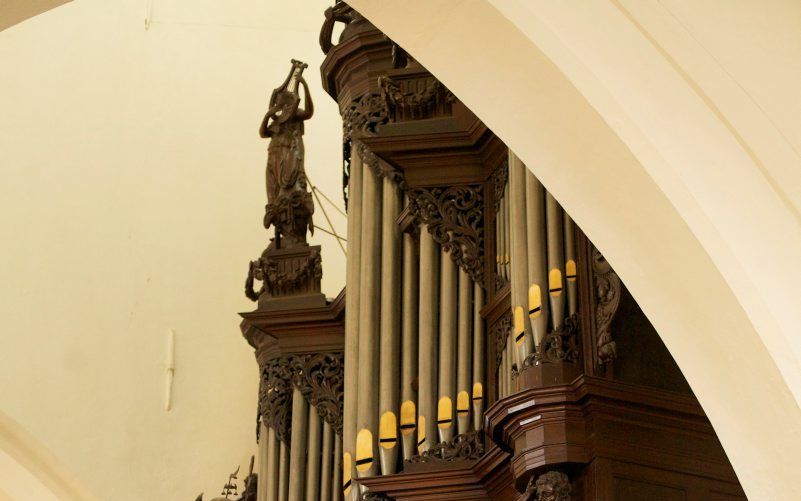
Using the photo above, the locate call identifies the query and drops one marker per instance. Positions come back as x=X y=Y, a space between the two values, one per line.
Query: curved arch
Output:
x=29 y=471
x=15 y=11
x=671 y=165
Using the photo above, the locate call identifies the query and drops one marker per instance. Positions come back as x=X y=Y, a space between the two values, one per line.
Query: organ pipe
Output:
x=389 y=373
x=464 y=346
x=447 y=346
x=556 y=260
x=428 y=294
x=314 y=450
x=523 y=339
x=297 y=452
x=283 y=472
x=338 y=469
x=570 y=266
x=369 y=308
x=408 y=411
x=478 y=358
x=326 y=474
x=353 y=271
x=537 y=263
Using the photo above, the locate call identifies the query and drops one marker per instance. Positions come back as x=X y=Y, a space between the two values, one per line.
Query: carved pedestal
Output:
x=291 y=278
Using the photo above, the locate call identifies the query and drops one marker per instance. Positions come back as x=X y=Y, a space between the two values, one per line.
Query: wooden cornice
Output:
x=301 y=330
x=484 y=479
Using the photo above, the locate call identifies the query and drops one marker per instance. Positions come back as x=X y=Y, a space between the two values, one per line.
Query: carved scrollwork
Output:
x=364 y=116
x=557 y=346
x=463 y=447
x=499 y=331
x=319 y=377
x=499 y=179
x=374 y=496
x=607 y=296
x=550 y=486
x=275 y=397
x=416 y=98
x=454 y=216
x=284 y=277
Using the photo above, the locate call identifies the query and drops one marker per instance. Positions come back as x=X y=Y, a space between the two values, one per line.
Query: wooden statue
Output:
x=289 y=203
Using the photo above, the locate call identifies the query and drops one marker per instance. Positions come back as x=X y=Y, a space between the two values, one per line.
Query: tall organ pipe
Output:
x=556 y=260
x=326 y=474
x=570 y=266
x=427 y=343
x=369 y=308
x=537 y=263
x=464 y=346
x=353 y=271
x=523 y=339
x=389 y=372
x=338 y=470
x=283 y=472
x=507 y=242
x=297 y=452
x=313 y=456
x=267 y=490
x=408 y=409
x=478 y=358
x=447 y=346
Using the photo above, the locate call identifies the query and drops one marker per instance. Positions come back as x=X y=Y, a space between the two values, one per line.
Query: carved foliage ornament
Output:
x=319 y=377
x=499 y=331
x=362 y=117
x=558 y=345
x=463 y=447
x=282 y=278
x=454 y=216
x=607 y=297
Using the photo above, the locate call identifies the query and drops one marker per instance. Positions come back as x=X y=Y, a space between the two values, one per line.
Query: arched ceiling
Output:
x=15 y=11
x=671 y=148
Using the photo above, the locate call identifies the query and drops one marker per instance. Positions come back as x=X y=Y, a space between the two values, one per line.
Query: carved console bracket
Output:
x=319 y=377
x=607 y=299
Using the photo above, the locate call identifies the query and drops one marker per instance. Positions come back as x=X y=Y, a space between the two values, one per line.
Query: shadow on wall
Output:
x=29 y=471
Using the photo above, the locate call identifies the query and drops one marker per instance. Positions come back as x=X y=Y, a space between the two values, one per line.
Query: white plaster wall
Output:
x=131 y=200
x=669 y=131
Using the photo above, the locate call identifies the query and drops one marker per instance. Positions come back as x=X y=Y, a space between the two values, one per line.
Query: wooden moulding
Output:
x=484 y=479
x=301 y=330
x=570 y=425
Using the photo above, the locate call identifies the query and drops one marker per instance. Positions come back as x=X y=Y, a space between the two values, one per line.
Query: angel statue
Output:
x=289 y=204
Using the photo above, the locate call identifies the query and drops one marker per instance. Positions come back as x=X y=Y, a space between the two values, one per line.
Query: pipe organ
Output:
x=482 y=347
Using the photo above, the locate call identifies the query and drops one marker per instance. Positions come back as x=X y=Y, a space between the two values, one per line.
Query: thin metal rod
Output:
x=335 y=206
x=328 y=219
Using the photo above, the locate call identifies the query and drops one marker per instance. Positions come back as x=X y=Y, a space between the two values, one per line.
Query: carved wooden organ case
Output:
x=482 y=348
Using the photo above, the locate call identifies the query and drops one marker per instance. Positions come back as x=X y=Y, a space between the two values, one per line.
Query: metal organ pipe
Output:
x=464 y=347
x=283 y=472
x=408 y=409
x=313 y=452
x=427 y=343
x=389 y=371
x=537 y=310
x=570 y=266
x=353 y=271
x=478 y=358
x=326 y=474
x=447 y=346
x=297 y=452
x=522 y=337
x=369 y=307
x=556 y=260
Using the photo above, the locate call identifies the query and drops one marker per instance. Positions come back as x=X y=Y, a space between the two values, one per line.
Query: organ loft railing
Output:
x=471 y=354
